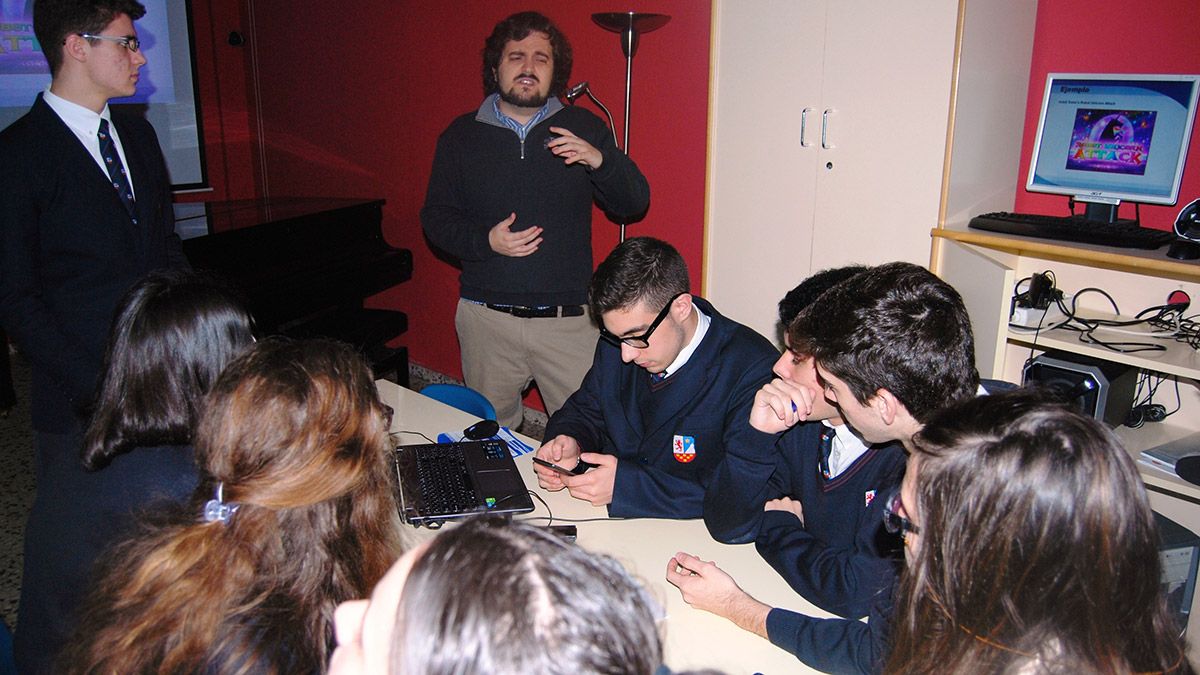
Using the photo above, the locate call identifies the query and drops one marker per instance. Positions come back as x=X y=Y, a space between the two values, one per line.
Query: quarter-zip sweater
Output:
x=482 y=172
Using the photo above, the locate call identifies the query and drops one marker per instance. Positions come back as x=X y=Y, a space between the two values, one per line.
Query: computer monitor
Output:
x=1105 y=138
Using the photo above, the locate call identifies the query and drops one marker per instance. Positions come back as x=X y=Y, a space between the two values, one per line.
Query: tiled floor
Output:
x=16 y=490
x=17 y=477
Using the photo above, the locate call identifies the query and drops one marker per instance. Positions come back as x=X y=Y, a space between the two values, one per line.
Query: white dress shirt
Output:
x=85 y=124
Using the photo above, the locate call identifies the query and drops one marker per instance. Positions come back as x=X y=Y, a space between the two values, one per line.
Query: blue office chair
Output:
x=7 y=666
x=465 y=399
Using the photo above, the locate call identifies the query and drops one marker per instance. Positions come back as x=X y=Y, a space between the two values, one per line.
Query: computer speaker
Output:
x=1097 y=388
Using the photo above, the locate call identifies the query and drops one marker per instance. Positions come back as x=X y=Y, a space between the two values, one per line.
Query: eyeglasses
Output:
x=639 y=341
x=129 y=42
x=895 y=523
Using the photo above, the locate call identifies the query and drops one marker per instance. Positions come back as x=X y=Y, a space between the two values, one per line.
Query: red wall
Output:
x=354 y=95
x=1086 y=36
x=222 y=78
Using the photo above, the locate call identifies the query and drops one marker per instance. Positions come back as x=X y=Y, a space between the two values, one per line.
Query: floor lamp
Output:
x=630 y=25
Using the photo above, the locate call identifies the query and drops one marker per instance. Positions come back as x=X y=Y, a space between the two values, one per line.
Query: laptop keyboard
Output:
x=444 y=481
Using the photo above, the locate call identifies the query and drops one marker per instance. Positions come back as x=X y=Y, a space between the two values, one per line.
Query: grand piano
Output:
x=305 y=265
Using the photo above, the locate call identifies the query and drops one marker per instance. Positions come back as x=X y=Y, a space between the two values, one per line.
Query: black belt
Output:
x=538 y=312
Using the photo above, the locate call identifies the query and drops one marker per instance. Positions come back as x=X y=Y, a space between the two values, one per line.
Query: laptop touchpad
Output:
x=499 y=483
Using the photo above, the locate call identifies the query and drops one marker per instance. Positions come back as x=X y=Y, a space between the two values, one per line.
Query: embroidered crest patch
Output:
x=684 y=448
x=868 y=497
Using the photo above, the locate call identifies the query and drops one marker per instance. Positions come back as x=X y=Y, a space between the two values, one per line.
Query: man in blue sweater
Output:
x=510 y=197
x=662 y=412
x=891 y=346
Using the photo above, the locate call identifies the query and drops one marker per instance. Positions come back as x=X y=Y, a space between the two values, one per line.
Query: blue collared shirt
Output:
x=521 y=129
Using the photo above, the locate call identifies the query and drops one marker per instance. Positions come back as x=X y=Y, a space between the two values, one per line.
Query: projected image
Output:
x=1111 y=141
x=19 y=52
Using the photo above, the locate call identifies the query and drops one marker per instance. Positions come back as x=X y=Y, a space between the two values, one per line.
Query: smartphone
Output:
x=553 y=467
x=567 y=532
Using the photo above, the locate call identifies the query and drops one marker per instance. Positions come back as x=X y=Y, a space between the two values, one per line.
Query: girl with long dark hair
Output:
x=173 y=334
x=1032 y=548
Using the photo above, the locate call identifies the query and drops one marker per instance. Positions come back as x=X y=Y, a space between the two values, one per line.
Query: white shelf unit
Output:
x=984 y=267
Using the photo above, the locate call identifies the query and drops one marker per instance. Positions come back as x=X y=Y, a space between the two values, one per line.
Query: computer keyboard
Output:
x=445 y=482
x=1121 y=235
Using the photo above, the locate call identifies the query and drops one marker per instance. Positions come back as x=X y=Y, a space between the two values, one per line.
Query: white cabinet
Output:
x=831 y=124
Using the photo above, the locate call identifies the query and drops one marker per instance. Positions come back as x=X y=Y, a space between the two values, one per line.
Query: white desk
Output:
x=693 y=638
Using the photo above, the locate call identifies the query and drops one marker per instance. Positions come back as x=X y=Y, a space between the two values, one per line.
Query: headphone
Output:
x=1187 y=229
x=1187 y=225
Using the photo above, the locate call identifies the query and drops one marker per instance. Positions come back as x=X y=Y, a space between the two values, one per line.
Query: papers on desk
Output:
x=1157 y=463
x=1167 y=457
x=515 y=445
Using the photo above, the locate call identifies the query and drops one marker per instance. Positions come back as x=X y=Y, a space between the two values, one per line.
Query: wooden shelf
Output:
x=1179 y=359
x=1154 y=263
x=1153 y=435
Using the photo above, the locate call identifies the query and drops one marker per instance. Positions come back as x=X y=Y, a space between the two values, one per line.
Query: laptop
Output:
x=446 y=481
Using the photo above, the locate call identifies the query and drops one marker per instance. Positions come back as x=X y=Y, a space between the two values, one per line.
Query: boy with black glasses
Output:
x=662 y=414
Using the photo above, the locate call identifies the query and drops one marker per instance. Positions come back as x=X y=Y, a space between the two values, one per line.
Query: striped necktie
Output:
x=827 y=435
x=116 y=170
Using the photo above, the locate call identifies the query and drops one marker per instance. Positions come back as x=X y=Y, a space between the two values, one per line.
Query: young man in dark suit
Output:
x=823 y=532
x=662 y=412
x=84 y=212
x=891 y=346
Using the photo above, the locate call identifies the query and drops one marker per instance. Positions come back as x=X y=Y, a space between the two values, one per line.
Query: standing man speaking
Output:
x=510 y=196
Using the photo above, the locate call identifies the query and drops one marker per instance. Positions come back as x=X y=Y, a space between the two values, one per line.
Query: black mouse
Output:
x=481 y=430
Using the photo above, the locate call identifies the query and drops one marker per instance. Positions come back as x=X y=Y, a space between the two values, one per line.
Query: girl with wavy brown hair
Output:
x=1031 y=546
x=294 y=514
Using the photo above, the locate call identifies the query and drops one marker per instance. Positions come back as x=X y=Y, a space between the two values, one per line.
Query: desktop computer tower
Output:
x=1179 y=552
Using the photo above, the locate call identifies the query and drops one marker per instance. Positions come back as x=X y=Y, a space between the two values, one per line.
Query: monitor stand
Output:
x=1105 y=213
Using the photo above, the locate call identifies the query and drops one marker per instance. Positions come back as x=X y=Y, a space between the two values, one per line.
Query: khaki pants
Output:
x=502 y=354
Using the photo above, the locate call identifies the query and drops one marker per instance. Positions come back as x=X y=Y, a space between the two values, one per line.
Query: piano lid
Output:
x=198 y=219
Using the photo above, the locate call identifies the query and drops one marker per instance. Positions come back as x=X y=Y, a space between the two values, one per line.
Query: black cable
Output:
x=1086 y=327
x=1187 y=330
x=403 y=431
x=575 y=520
x=550 y=518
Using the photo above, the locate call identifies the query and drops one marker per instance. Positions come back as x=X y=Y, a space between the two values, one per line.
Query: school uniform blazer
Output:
x=840 y=557
x=69 y=250
x=708 y=400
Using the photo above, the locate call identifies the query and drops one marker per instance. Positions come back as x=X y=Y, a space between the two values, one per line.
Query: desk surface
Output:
x=693 y=638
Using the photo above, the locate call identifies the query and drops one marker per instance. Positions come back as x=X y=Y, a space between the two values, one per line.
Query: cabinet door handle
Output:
x=804 y=127
x=825 y=129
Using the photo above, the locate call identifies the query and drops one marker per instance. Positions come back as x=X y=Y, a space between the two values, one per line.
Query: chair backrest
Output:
x=7 y=665
x=463 y=398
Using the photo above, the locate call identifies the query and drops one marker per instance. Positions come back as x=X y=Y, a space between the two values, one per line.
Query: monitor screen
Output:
x=1110 y=138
